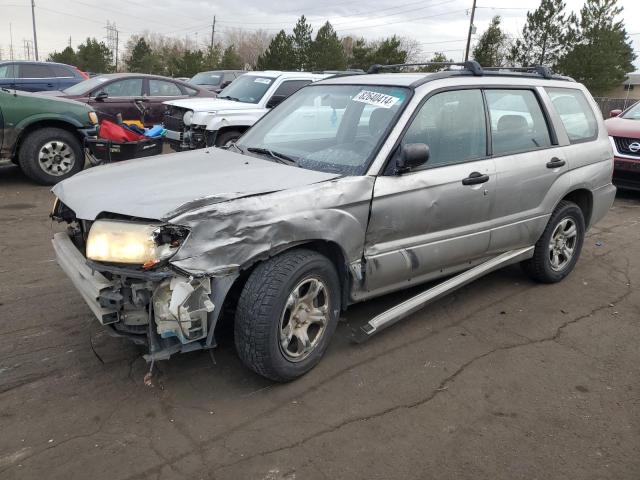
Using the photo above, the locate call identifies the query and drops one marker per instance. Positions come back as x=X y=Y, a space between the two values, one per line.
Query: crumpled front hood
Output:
x=210 y=104
x=164 y=186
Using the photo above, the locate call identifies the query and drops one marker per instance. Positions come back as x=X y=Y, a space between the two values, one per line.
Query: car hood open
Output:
x=207 y=104
x=165 y=186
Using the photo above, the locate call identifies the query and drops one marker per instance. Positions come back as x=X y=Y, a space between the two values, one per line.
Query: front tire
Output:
x=287 y=314
x=558 y=249
x=50 y=155
x=226 y=139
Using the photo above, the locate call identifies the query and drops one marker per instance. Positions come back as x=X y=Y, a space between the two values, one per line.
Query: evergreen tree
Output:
x=544 y=36
x=230 y=59
x=492 y=48
x=361 y=55
x=388 y=52
x=212 y=57
x=142 y=58
x=437 y=57
x=94 y=56
x=302 y=43
x=68 y=56
x=327 y=51
x=280 y=55
x=602 y=54
x=191 y=62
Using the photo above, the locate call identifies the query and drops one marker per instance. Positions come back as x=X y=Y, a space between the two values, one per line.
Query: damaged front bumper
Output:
x=165 y=310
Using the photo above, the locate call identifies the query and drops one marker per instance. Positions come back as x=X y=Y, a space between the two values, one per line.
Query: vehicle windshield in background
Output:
x=633 y=113
x=247 y=89
x=330 y=128
x=206 y=78
x=85 y=86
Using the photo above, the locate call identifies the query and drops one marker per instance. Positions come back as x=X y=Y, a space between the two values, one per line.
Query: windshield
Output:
x=85 y=86
x=247 y=88
x=206 y=78
x=633 y=113
x=330 y=128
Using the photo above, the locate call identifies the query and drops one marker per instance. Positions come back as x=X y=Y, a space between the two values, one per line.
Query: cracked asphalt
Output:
x=504 y=379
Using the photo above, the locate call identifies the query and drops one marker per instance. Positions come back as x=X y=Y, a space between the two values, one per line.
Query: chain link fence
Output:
x=607 y=104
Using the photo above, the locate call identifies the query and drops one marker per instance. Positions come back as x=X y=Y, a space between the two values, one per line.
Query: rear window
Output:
x=575 y=113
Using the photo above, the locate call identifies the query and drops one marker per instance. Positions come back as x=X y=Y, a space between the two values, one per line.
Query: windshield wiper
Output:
x=279 y=157
x=227 y=97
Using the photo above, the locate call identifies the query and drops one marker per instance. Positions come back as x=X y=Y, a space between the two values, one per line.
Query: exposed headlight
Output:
x=133 y=243
x=186 y=118
x=93 y=118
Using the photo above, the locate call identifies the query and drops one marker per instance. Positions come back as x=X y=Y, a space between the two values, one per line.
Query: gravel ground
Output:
x=504 y=379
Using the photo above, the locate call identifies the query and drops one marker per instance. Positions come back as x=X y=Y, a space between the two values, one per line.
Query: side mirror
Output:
x=615 y=113
x=275 y=100
x=412 y=155
x=101 y=96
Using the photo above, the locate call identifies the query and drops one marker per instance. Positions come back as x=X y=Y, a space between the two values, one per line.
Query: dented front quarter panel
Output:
x=229 y=236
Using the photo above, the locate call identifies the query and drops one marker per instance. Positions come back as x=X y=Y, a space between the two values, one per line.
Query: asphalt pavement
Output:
x=504 y=379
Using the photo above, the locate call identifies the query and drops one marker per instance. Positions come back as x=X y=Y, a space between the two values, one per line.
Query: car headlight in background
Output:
x=93 y=118
x=133 y=243
x=186 y=118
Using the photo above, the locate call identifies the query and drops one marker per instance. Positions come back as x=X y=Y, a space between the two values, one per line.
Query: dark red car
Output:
x=118 y=93
x=624 y=132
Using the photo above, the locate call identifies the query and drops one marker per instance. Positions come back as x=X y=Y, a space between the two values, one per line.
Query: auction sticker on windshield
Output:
x=375 y=98
x=266 y=81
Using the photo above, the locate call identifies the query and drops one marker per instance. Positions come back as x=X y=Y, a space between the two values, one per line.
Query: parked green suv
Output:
x=44 y=135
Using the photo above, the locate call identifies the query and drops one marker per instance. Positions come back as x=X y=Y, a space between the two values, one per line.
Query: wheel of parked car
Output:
x=227 y=138
x=558 y=249
x=287 y=314
x=49 y=155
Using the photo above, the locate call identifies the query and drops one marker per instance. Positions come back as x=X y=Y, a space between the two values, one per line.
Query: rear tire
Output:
x=50 y=155
x=559 y=247
x=287 y=313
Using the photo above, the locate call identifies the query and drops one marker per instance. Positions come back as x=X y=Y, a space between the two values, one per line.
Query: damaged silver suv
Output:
x=352 y=188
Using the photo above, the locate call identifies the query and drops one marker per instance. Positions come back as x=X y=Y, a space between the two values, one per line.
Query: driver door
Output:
x=435 y=219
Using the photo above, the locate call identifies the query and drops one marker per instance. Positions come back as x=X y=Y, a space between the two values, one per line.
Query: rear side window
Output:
x=517 y=122
x=453 y=125
x=61 y=71
x=576 y=114
x=34 y=70
x=290 y=87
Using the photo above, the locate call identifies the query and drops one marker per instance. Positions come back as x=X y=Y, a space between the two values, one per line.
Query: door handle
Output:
x=475 y=178
x=556 y=163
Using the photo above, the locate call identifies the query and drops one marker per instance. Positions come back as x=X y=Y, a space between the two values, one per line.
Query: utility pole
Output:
x=117 y=40
x=471 y=28
x=213 y=30
x=69 y=41
x=11 y=44
x=33 y=19
x=112 y=41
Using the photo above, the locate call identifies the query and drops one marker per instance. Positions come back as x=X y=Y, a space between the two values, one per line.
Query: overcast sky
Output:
x=438 y=25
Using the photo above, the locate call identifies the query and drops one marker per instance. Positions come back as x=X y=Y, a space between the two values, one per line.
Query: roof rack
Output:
x=541 y=70
x=474 y=67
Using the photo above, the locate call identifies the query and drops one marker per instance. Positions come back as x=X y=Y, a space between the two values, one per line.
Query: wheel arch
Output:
x=327 y=248
x=45 y=123
x=584 y=199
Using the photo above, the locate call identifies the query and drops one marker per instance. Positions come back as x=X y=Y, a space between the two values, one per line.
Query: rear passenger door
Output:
x=161 y=91
x=530 y=166
x=436 y=219
x=36 y=77
x=65 y=76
